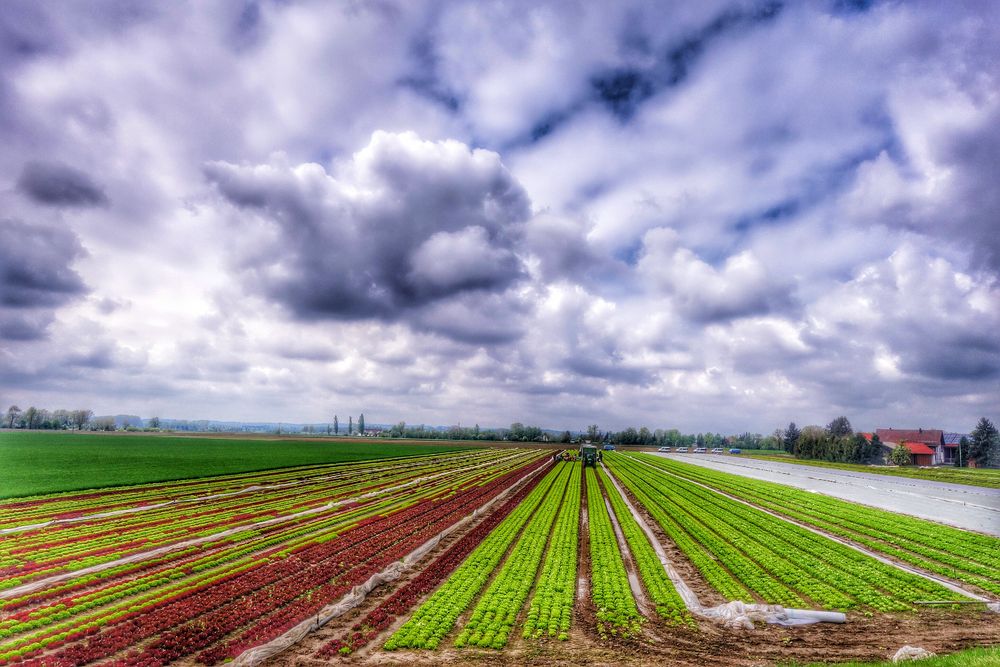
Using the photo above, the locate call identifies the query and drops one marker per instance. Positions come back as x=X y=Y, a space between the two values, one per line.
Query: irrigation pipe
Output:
x=735 y=613
x=258 y=654
x=153 y=553
x=993 y=605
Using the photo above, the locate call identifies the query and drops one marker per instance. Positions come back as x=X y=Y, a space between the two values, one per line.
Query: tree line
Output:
x=40 y=418
x=837 y=442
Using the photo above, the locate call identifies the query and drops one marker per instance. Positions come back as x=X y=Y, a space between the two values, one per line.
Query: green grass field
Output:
x=976 y=657
x=970 y=476
x=33 y=463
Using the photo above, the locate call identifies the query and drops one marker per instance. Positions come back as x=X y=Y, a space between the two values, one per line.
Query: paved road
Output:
x=972 y=507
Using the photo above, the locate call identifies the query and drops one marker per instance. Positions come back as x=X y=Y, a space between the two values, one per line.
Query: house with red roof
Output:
x=927 y=446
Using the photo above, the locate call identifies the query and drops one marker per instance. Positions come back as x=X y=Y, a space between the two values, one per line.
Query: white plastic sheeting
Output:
x=735 y=614
x=970 y=507
x=908 y=652
x=258 y=654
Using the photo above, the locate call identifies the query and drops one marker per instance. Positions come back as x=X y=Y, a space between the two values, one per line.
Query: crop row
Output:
x=436 y=617
x=493 y=618
x=43 y=552
x=551 y=609
x=402 y=599
x=669 y=605
x=272 y=589
x=77 y=504
x=951 y=552
x=780 y=562
x=615 y=608
x=111 y=585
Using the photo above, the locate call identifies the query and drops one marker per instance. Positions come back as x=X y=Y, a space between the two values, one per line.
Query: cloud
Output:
x=35 y=264
x=55 y=184
x=741 y=287
x=403 y=225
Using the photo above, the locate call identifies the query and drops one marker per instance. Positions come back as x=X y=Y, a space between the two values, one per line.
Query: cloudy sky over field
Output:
x=719 y=215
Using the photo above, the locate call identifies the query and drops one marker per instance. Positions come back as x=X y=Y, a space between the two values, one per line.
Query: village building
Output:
x=927 y=446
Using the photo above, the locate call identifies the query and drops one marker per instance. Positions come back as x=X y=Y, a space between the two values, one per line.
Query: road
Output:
x=970 y=507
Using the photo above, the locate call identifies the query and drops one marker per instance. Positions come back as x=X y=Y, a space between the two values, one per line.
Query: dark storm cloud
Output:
x=410 y=224
x=56 y=184
x=35 y=265
x=21 y=325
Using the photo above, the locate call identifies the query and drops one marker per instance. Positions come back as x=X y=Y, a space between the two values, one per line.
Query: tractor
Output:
x=589 y=455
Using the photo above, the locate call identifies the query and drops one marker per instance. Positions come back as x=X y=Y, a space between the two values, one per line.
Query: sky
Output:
x=716 y=216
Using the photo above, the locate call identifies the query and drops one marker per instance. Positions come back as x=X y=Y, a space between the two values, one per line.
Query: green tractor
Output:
x=589 y=455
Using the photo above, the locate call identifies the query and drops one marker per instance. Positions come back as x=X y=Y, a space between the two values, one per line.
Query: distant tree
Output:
x=336 y=426
x=566 y=437
x=985 y=441
x=593 y=433
x=900 y=456
x=839 y=427
x=350 y=425
x=154 y=422
x=811 y=443
x=873 y=450
x=31 y=417
x=476 y=432
x=80 y=418
x=361 y=424
x=13 y=412
x=791 y=438
x=105 y=424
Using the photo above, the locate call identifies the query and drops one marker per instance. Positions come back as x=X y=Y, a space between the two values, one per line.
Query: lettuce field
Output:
x=436 y=554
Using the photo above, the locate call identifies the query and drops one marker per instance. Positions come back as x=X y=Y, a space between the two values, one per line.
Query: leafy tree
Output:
x=900 y=456
x=985 y=441
x=593 y=433
x=839 y=427
x=336 y=426
x=31 y=417
x=81 y=417
x=350 y=425
x=361 y=424
x=13 y=412
x=874 y=448
x=566 y=437
x=791 y=439
x=154 y=422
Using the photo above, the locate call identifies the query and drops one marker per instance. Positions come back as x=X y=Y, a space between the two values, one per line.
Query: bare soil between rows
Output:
x=861 y=638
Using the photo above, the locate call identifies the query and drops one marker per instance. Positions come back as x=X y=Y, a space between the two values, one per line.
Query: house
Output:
x=927 y=446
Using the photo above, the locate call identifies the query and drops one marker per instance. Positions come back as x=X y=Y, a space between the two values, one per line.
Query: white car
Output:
x=717 y=450
x=663 y=449
x=700 y=450
x=682 y=450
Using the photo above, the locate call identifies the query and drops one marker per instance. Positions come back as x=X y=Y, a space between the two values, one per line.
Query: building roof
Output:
x=928 y=436
x=952 y=439
x=917 y=447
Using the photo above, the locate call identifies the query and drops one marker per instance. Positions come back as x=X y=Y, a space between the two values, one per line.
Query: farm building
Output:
x=927 y=446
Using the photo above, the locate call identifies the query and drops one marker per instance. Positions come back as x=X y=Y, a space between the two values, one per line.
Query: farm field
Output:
x=76 y=461
x=479 y=555
x=987 y=477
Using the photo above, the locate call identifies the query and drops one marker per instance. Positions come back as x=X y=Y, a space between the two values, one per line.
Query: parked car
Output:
x=717 y=450
x=682 y=450
x=734 y=451
x=663 y=449
x=609 y=448
x=700 y=450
